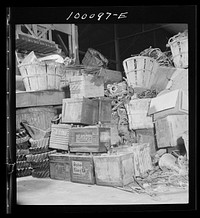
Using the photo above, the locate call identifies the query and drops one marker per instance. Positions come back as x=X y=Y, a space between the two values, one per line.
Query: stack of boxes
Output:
x=83 y=141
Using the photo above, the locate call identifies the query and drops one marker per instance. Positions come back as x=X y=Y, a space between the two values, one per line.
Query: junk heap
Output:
x=141 y=118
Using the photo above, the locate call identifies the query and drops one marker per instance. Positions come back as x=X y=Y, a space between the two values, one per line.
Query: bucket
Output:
x=41 y=75
x=179 y=48
x=140 y=71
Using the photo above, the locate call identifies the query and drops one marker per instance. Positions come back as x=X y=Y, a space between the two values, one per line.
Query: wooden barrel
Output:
x=39 y=117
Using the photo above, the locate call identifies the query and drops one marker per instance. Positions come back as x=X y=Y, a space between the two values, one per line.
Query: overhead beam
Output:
x=117 y=55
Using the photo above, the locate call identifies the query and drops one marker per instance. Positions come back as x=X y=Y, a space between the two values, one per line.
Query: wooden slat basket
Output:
x=179 y=48
x=140 y=71
x=41 y=75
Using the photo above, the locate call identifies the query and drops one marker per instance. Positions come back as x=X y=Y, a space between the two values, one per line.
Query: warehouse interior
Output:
x=141 y=154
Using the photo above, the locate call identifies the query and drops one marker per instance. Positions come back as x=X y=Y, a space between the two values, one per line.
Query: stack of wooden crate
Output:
x=170 y=114
x=79 y=134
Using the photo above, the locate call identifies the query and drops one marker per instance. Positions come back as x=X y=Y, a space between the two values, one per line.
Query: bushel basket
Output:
x=140 y=71
x=179 y=48
x=41 y=75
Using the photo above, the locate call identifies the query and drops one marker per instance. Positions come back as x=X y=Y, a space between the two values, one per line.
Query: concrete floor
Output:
x=47 y=191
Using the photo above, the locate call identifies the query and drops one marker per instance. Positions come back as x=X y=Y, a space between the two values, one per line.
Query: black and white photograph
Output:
x=98 y=109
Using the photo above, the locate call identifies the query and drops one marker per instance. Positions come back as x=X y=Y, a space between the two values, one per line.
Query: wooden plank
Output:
x=39 y=98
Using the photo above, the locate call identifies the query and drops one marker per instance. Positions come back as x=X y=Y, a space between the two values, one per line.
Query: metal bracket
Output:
x=10 y=168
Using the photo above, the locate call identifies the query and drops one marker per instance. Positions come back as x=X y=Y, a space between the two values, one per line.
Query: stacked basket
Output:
x=39 y=157
x=179 y=48
x=22 y=150
x=40 y=75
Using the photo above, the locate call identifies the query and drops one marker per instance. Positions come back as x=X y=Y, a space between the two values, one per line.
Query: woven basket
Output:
x=94 y=58
x=179 y=48
x=140 y=71
x=40 y=143
x=41 y=75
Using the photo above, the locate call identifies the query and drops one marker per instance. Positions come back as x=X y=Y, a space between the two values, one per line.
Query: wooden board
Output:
x=59 y=166
x=39 y=98
x=82 y=169
x=114 y=170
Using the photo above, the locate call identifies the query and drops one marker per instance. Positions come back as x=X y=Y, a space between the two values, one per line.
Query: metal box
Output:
x=82 y=169
x=59 y=166
x=80 y=111
x=59 y=138
x=90 y=139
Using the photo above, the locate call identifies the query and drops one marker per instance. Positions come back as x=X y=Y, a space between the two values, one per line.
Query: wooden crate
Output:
x=140 y=154
x=86 y=86
x=105 y=110
x=89 y=139
x=79 y=110
x=82 y=169
x=141 y=158
x=59 y=166
x=39 y=117
x=59 y=138
x=170 y=129
x=114 y=170
x=147 y=136
x=69 y=72
x=137 y=110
